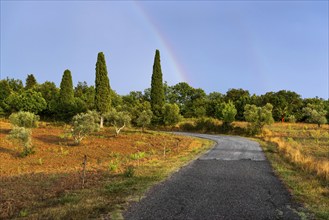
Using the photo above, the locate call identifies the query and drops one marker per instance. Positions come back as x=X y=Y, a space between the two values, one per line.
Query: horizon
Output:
x=257 y=46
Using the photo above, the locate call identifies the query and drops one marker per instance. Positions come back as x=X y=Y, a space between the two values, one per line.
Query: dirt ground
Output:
x=56 y=166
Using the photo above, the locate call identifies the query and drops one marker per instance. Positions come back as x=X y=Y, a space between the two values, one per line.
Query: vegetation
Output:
x=229 y=112
x=126 y=165
x=157 y=90
x=299 y=155
x=102 y=85
x=258 y=117
x=48 y=183
x=118 y=120
x=23 y=122
x=83 y=124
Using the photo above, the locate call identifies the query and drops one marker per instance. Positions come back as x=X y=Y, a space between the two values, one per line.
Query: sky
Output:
x=260 y=46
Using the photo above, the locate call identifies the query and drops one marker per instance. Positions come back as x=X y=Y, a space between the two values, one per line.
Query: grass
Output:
x=302 y=162
x=48 y=184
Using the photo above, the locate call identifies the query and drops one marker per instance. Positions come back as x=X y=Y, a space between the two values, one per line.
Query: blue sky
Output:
x=260 y=46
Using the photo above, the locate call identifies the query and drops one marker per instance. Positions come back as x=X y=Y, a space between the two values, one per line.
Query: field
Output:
x=299 y=153
x=49 y=183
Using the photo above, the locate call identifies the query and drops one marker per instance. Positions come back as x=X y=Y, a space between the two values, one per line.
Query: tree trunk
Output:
x=101 y=123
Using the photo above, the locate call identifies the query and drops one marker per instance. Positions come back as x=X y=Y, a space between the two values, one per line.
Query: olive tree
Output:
x=83 y=124
x=315 y=114
x=144 y=119
x=23 y=122
x=258 y=117
x=118 y=120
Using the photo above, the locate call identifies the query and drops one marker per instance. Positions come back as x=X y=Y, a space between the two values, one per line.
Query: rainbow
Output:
x=180 y=71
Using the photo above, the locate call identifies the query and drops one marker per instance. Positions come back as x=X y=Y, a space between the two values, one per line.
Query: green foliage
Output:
x=66 y=93
x=170 y=113
x=315 y=114
x=102 y=86
x=129 y=171
x=214 y=101
x=284 y=103
x=157 y=90
x=83 y=124
x=258 y=117
x=24 y=119
x=229 y=112
x=23 y=135
x=28 y=100
x=291 y=119
x=144 y=119
x=240 y=99
x=118 y=120
x=86 y=95
x=206 y=125
x=31 y=82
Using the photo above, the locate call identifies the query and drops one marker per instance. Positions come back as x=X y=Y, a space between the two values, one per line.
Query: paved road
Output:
x=231 y=181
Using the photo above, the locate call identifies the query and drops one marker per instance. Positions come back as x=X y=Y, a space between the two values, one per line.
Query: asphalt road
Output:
x=232 y=181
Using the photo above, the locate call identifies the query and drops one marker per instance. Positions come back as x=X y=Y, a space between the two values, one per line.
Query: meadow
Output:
x=299 y=154
x=49 y=183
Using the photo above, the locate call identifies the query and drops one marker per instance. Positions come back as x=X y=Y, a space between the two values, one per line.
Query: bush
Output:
x=207 y=125
x=23 y=135
x=84 y=124
x=144 y=119
x=258 y=117
x=170 y=113
x=24 y=119
x=229 y=112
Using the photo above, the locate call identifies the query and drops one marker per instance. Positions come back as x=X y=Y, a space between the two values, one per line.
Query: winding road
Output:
x=231 y=181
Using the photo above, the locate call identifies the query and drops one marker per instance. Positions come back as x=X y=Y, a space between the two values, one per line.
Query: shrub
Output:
x=229 y=112
x=170 y=113
x=206 y=125
x=258 y=117
x=315 y=114
x=129 y=171
x=23 y=135
x=84 y=124
x=144 y=119
x=24 y=119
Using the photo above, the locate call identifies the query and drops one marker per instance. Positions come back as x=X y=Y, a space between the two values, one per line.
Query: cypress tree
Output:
x=65 y=104
x=30 y=81
x=157 y=90
x=66 y=94
x=102 y=87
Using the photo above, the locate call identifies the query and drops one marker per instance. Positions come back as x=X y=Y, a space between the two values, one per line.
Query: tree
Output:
x=285 y=103
x=64 y=106
x=171 y=114
x=144 y=119
x=229 y=112
x=214 y=100
x=23 y=122
x=66 y=93
x=258 y=117
x=28 y=100
x=240 y=98
x=31 y=82
x=83 y=124
x=102 y=88
x=118 y=120
x=157 y=90
x=315 y=114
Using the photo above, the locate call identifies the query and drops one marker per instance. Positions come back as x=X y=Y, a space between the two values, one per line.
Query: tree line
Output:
x=160 y=104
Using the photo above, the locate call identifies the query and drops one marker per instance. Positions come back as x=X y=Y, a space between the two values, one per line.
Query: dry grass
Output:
x=48 y=184
x=303 y=145
x=299 y=154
